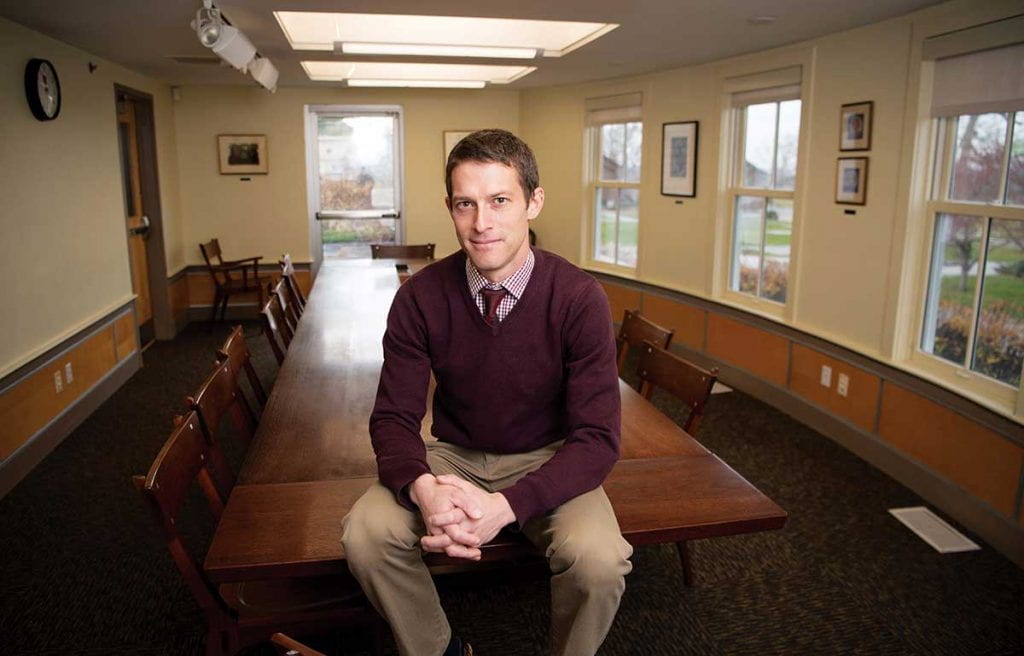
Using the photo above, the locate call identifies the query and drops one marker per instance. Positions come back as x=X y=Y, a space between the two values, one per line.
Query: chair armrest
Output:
x=254 y=260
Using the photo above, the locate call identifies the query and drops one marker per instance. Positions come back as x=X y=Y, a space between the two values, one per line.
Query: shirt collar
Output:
x=514 y=284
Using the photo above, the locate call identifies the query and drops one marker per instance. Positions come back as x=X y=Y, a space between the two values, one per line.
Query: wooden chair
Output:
x=275 y=329
x=236 y=354
x=636 y=330
x=219 y=395
x=417 y=251
x=691 y=385
x=294 y=290
x=279 y=293
x=288 y=647
x=231 y=277
x=237 y=614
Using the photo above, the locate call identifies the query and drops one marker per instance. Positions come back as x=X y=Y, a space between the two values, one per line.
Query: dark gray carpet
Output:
x=83 y=572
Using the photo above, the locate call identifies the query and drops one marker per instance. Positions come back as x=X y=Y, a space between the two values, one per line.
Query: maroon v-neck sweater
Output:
x=545 y=373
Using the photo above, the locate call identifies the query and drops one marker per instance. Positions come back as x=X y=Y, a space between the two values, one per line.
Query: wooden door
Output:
x=136 y=221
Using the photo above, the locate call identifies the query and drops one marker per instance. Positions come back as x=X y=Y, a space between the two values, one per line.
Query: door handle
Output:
x=142 y=230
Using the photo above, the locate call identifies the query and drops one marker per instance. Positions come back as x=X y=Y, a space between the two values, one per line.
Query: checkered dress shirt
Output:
x=515 y=285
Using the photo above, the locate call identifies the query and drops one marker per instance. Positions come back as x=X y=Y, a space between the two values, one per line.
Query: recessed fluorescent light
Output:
x=430 y=50
x=342 y=70
x=422 y=84
x=311 y=30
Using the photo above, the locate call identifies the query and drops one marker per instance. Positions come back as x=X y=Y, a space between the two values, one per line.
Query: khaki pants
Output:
x=585 y=550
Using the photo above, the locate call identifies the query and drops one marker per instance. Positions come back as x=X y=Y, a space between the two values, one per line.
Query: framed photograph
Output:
x=452 y=137
x=679 y=159
x=242 y=154
x=855 y=126
x=852 y=180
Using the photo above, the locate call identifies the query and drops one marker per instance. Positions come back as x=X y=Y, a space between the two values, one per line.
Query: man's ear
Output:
x=448 y=203
x=536 y=204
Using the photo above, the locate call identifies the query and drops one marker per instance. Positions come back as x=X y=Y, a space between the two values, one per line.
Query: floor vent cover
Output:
x=932 y=529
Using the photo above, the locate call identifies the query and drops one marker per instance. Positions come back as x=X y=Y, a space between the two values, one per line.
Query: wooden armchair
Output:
x=690 y=384
x=294 y=290
x=219 y=395
x=279 y=293
x=231 y=277
x=412 y=251
x=237 y=614
x=636 y=330
x=275 y=328
x=236 y=354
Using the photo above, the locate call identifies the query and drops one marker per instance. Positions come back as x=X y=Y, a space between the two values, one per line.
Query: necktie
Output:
x=492 y=299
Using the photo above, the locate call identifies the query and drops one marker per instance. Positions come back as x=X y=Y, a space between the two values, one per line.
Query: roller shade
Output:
x=980 y=82
x=622 y=108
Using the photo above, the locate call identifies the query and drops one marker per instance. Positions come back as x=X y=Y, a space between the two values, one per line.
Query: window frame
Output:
x=594 y=183
x=942 y=146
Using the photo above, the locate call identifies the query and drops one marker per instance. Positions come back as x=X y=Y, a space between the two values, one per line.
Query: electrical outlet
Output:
x=69 y=375
x=58 y=382
x=843 y=386
x=826 y=375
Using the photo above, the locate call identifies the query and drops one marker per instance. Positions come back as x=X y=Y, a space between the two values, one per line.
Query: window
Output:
x=356 y=179
x=761 y=191
x=974 y=309
x=616 y=143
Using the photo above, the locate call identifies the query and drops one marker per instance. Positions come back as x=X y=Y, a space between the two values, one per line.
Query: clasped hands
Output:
x=458 y=515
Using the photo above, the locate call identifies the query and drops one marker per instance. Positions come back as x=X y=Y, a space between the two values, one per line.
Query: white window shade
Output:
x=771 y=94
x=622 y=108
x=980 y=82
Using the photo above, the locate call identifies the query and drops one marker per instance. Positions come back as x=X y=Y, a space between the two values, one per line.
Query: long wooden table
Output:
x=311 y=457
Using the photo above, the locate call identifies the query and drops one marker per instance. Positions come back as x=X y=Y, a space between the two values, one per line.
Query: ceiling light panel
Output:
x=341 y=70
x=308 y=30
x=430 y=50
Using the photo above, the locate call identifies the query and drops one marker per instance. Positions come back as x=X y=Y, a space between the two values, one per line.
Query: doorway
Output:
x=137 y=150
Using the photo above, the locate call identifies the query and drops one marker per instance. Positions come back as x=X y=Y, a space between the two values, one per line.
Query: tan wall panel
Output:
x=124 y=336
x=621 y=299
x=975 y=458
x=179 y=296
x=861 y=402
x=201 y=291
x=759 y=352
x=686 y=320
x=32 y=403
x=305 y=281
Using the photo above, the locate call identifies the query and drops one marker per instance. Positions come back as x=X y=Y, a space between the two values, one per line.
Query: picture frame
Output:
x=242 y=154
x=855 y=125
x=852 y=180
x=452 y=137
x=679 y=158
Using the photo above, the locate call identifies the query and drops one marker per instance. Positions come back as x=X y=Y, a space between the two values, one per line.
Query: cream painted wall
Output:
x=268 y=214
x=846 y=268
x=65 y=254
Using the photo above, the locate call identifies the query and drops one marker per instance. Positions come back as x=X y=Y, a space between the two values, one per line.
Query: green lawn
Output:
x=997 y=288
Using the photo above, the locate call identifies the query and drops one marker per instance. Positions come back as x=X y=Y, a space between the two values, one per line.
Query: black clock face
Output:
x=42 y=89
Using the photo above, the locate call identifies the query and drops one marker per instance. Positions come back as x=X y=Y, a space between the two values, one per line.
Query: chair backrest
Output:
x=211 y=252
x=277 y=292
x=272 y=328
x=219 y=395
x=418 y=251
x=184 y=460
x=294 y=291
x=681 y=378
x=288 y=647
x=635 y=330
x=236 y=354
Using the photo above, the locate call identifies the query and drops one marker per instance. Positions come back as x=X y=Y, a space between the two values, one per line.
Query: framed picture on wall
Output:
x=852 y=180
x=242 y=154
x=679 y=159
x=855 y=126
x=452 y=137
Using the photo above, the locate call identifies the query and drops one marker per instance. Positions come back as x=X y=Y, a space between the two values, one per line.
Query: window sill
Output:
x=998 y=397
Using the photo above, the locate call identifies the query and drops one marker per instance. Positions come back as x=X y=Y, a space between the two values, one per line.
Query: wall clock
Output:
x=42 y=89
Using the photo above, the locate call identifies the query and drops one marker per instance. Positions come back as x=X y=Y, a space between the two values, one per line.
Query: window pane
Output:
x=978 y=157
x=629 y=222
x=778 y=233
x=352 y=237
x=951 y=286
x=746 y=251
x=634 y=148
x=759 y=145
x=999 y=346
x=607 y=204
x=1015 y=183
x=357 y=163
x=613 y=153
x=789 y=135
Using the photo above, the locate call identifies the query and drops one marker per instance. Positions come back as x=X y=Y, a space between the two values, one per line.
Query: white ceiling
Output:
x=654 y=35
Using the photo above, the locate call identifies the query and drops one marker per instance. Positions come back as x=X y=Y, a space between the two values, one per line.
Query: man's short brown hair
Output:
x=499 y=146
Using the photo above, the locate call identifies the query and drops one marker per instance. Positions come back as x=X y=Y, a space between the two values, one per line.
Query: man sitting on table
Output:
x=526 y=413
